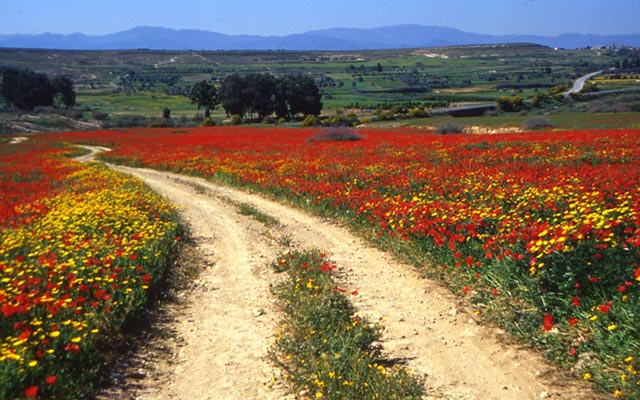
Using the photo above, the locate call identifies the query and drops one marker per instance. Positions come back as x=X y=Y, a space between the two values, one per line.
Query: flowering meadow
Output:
x=539 y=231
x=80 y=246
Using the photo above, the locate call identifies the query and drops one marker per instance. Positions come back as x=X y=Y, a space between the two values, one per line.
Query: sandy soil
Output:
x=228 y=321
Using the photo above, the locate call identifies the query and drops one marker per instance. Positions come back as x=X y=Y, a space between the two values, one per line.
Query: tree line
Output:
x=260 y=96
x=257 y=95
x=25 y=89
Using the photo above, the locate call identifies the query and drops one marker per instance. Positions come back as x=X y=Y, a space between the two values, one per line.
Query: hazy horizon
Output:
x=276 y=18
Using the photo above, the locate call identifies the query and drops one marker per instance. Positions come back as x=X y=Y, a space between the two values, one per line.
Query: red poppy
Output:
x=547 y=322
x=72 y=348
x=605 y=308
x=31 y=392
x=576 y=301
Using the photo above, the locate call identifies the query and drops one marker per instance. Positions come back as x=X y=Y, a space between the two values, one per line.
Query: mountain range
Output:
x=390 y=37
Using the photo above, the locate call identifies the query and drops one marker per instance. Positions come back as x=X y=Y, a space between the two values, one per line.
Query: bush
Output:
x=418 y=113
x=510 y=103
x=198 y=118
x=208 y=121
x=235 y=120
x=535 y=123
x=310 y=120
x=126 y=121
x=341 y=119
x=538 y=99
x=269 y=120
x=183 y=120
x=386 y=116
x=44 y=110
x=336 y=135
x=161 y=123
x=73 y=114
x=99 y=115
x=450 y=127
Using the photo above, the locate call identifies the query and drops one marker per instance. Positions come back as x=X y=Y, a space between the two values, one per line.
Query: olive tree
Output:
x=204 y=94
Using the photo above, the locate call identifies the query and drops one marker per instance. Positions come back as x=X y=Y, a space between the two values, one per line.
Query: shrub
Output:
x=341 y=119
x=535 y=123
x=126 y=121
x=398 y=109
x=336 y=135
x=539 y=99
x=99 y=115
x=161 y=123
x=208 y=121
x=386 y=116
x=450 y=127
x=418 y=113
x=182 y=120
x=235 y=120
x=44 y=110
x=310 y=120
x=73 y=114
x=510 y=103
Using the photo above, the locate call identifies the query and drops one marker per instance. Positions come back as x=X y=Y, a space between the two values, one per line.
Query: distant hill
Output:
x=399 y=36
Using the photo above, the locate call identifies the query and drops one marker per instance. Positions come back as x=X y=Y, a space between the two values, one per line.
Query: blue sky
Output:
x=269 y=17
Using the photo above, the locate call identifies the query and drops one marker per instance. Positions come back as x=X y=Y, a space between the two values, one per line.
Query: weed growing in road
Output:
x=326 y=349
x=251 y=211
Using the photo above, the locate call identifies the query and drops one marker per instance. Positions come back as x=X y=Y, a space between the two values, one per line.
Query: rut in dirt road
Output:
x=423 y=324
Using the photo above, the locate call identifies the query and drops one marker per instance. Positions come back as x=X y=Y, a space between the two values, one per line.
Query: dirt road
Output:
x=229 y=321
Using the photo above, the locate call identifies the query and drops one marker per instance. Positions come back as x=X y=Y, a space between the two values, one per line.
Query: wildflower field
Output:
x=80 y=247
x=540 y=232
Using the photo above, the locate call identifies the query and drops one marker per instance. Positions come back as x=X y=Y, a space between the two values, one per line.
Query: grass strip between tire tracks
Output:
x=325 y=348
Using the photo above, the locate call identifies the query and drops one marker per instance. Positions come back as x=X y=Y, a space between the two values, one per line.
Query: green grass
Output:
x=251 y=211
x=140 y=103
x=326 y=349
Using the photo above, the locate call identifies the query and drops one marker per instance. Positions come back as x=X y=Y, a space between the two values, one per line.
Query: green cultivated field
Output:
x=143 y=82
